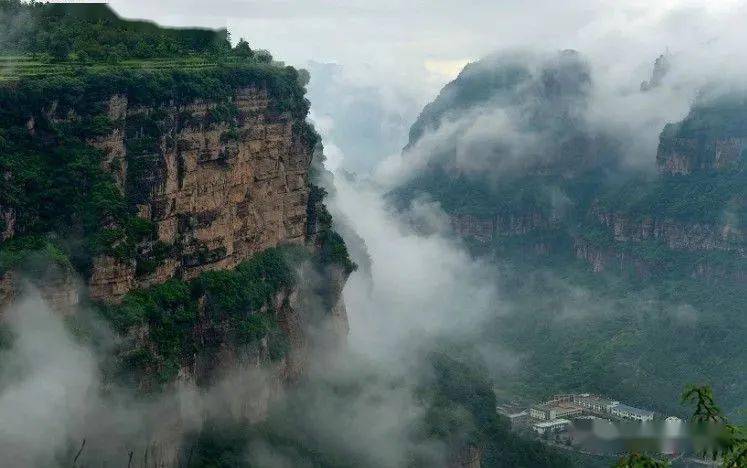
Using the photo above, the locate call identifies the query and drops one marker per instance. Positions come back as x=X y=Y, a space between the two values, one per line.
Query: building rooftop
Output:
x=595 y=400
x=556 y=405
x=630 y=409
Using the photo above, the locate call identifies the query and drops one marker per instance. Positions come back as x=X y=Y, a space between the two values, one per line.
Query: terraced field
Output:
x=16 y=67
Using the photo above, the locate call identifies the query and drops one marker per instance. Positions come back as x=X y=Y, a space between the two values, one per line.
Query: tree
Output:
x=60 y=47
x=720 y=438
x=243 y=50
x=716 y=438
x=637 y=460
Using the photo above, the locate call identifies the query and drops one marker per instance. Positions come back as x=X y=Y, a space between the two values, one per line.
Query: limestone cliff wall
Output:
x=7 y=223
x=7 y=289
x=57 y=285
x=677 y=235
x=218 y=182
x=697 y=241
x=683 y=156
x=469 y=456
x=487 y=228
x=601 y=259
x=217 y=192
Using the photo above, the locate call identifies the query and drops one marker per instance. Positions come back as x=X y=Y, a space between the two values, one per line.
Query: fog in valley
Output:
x=422 y=295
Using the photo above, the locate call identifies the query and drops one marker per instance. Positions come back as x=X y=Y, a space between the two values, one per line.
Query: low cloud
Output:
x=53 y=402
x=46 y=378
x=423 y=286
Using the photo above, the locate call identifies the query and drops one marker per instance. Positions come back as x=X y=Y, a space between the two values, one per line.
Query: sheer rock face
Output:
x=711 y=138
x=7 y=289
x=684 y=156
x=487 y=228
x=609 y=258
x=7 y=223
x=470 y=456
x=677 y=235
x=217 y=191
x=57 y=285
x=216 y=194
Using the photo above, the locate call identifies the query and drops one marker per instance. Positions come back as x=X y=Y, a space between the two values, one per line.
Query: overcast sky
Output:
x=406 y=50
x=422 y=44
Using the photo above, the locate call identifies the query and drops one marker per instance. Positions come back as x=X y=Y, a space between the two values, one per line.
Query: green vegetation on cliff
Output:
x=458 y=423
x=616 y=280
x=94 y=32
x=703 y=197
x=460 y=411
x=231 y=308
x=54 y=180
x=70 y=60
x=332 y=248
x=49 y=40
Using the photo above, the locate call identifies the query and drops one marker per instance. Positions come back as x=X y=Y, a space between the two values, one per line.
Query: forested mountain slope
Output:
x=167 y=192
x=618 y=280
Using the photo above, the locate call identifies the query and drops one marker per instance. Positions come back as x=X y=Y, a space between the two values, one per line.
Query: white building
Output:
x=554 y=410
x=629 y=412
x=551 y=427
x=594 y=403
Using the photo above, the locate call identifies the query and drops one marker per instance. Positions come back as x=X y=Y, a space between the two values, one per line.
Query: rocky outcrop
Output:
x=216 y=192
x=684 y=156
x=7 y=223
x=321 y=329
x=111 y=279
x=56 y=285
x=677 y=235
x=474 y=227
x=617 y=258
x=601 y=259
x=514 y=224
x=659 y=72
x=705 y=270
x=677 y=156
x=469 y=456
x=711 y=138
x=7 y=289
x=485 y=229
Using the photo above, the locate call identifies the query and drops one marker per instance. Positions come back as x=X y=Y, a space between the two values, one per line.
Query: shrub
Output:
x=233 y=313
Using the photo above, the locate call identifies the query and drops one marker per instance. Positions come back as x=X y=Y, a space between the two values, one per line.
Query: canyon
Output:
x=596 y=259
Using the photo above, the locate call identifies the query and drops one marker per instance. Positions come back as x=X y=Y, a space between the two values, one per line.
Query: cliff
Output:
x=216 y=193
x=203 y=183
x=486 y=229
x=712 y=137
x=494 y=194
x=597 y=260
x=537 y=105
x=172 y=197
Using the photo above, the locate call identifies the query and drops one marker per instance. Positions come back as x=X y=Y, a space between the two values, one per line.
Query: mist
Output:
x=418 y=288
x=423 y=284
x=364 y=120
x=45 y=379
x=57 y=406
